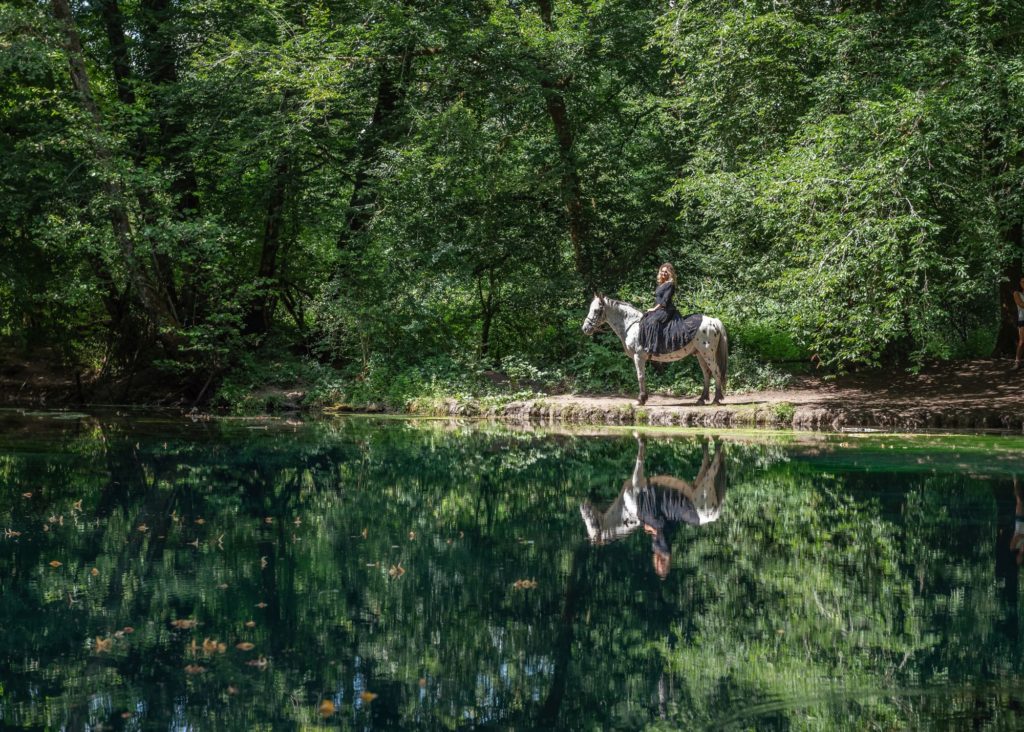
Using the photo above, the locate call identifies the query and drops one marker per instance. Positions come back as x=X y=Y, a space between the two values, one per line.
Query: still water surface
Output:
x=384 y=574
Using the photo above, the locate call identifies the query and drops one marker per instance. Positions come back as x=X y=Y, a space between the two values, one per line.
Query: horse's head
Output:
x=596 y=315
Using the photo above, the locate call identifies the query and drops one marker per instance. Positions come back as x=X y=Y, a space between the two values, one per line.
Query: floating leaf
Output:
x=200 y=521
x=194 y=668
x=250 y=623
x=103 y=645
x=94 y=572
x=128 y=630
x=365 y=533
x=412 y=536
x=261 y=605
x=525 y=584
x=367 y=696
x=143 y=528
x=245 y=646
x=26 y=494
x=263 y=562
x=56 y=564
x=260 y=663
x=326 y=708
x=184 y=624
x=396 y=570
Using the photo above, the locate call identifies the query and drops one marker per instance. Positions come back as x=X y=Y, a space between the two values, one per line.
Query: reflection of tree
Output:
x=660 y=503
x=807 y=606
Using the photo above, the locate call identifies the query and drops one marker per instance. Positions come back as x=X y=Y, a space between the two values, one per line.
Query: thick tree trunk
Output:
x=1006 y=340
x=261 y=312
x=121 y=64
x=572 y=196
x=148 y=296
x=383 y=128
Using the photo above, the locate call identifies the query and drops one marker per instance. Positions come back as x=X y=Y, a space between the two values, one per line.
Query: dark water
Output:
x=422 y=575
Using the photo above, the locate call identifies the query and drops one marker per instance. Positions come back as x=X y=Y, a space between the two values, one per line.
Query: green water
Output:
x=424 y=575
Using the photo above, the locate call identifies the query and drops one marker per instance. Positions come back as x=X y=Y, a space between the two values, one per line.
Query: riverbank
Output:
x=978 y=394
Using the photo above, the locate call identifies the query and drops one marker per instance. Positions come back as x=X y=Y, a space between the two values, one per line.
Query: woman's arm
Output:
x=1018 y=298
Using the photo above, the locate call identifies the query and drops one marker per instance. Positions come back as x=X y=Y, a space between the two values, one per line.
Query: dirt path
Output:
x=980 y=394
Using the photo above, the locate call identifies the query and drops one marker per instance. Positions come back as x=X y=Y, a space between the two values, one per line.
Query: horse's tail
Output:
x=722 y=355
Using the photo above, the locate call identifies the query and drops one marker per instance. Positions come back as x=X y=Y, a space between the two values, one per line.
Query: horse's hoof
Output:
x=716 y=402
x=641 y=400
x=701 y=402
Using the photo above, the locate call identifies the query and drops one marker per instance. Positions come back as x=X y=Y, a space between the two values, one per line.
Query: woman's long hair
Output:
x=671 y=272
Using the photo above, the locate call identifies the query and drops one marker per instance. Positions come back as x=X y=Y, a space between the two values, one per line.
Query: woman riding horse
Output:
x=655 y=328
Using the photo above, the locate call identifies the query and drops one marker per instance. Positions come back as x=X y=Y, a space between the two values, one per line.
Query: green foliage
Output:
x=386 y=186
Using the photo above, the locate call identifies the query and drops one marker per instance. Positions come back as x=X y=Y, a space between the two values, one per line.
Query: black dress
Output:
x=664 y=330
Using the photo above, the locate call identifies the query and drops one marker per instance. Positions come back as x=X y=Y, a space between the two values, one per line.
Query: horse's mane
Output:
x=613 y=301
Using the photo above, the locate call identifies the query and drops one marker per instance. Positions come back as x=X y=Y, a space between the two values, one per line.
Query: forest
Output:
x=384 y=199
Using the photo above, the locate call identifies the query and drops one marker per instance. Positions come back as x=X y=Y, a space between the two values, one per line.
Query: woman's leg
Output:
x=1020 y=346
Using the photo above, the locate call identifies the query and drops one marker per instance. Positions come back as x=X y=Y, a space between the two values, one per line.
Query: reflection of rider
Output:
x=660 y=504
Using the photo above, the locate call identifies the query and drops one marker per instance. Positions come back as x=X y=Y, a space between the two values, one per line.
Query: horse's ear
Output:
x=599 y=296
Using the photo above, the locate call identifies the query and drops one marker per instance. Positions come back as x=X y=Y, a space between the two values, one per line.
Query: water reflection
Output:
x=661 y=504
x=386 y=574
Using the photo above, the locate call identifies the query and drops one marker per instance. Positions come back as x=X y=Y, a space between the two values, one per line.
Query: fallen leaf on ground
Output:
x=94 y=572
x=245 y=646
x=326 y=708
x=103 y=645
x=367 y=696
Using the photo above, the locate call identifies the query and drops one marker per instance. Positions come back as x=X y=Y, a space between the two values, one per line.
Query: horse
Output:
x=710 y=344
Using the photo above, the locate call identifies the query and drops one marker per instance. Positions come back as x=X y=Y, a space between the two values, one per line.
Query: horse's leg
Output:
x=713 y=363
x=707 y=377
x=640 y=361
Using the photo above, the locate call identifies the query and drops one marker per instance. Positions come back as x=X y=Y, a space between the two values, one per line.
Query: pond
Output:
x=387 y=574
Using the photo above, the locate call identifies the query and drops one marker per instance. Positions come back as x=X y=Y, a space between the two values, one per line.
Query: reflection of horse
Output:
x=660 y=503
x=710 y=344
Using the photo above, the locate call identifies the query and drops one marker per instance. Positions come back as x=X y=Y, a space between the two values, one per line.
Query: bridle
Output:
x=602 y=326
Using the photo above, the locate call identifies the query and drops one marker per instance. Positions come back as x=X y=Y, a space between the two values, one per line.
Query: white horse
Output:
x=710 y=344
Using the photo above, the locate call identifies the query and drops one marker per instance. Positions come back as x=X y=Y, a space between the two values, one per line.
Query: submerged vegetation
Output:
x=397 y=196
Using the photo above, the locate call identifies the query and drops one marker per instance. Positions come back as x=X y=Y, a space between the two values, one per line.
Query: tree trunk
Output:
x=1006 y=340
x=572 y=196
x=141 y=284
x=114 y=23
x=488 y=309
x=261 y=311
x=381 y=130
